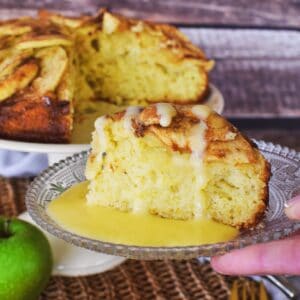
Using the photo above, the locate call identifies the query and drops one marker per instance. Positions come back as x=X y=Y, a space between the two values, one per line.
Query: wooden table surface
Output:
x=256 y=46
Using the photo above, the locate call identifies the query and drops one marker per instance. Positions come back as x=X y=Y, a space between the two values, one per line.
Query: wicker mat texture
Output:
x=133 y=279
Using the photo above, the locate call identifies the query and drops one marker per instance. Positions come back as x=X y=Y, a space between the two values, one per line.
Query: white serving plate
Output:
x=69 y=260
x=56 y=152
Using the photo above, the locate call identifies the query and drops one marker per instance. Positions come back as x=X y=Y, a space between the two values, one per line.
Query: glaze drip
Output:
x=166 y=112
x=201 y=111
x=130 y=113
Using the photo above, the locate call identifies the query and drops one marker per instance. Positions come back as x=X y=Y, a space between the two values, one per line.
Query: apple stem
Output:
x=6 y=226
x=5 y=233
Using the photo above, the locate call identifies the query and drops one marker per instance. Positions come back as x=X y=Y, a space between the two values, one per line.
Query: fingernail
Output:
x=216 y=263
x=292 y=208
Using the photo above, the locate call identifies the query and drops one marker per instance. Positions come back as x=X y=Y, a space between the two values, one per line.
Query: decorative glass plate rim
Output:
x=39 y=215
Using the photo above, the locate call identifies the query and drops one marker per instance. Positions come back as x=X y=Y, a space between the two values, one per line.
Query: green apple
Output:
x=25 y=260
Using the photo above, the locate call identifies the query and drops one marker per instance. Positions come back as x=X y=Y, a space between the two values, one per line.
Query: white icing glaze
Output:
x=166 y=112
x=198 y=211
x=139 y=27
x=131 y=112
x=201 y=111
x=198 y=144
x=197 y=140
x=99 y=125
x=139 y=206
x=230 y=136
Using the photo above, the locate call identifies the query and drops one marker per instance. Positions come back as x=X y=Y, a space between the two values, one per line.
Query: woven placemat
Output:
x=133 y=279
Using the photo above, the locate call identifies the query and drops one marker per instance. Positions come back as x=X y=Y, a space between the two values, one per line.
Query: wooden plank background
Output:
x=258 y=71
x=256 y=45
x=275 y=13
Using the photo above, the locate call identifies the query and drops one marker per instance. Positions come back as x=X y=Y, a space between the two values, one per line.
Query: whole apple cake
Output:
x=51 y=65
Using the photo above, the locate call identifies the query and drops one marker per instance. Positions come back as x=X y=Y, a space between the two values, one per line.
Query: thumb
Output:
x=292 y=209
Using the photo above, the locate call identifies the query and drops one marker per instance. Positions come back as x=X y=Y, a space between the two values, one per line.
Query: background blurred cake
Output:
x=179 y=162
x=36 y=81
x=51 y=65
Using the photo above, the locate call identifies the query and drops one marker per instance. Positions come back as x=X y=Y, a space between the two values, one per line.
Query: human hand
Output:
x=277 y=257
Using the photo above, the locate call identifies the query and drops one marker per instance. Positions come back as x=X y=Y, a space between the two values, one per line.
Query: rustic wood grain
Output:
x=259 y=88
x=285 y=132
x=288 y=138
x=257 y=70
x=276 y=13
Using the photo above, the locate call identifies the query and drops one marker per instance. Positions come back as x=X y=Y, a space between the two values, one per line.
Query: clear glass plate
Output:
x=284 y=184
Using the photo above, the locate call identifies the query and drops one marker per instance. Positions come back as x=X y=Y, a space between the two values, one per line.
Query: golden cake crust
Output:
x=223 y=139
x=51 y=117
x=32 y=107
x=172 y=37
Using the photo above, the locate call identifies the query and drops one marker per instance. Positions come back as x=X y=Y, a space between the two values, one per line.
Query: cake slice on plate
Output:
x=177 y=161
